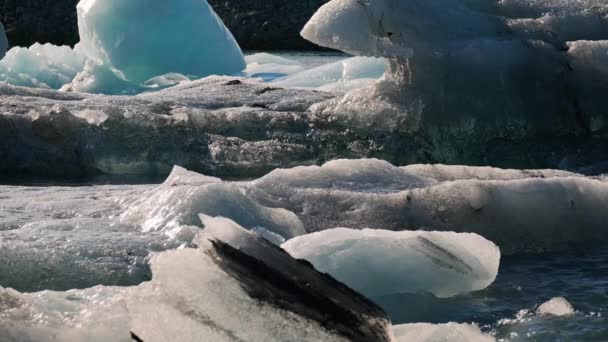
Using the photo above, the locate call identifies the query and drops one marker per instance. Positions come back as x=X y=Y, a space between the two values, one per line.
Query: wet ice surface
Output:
x=77 y=237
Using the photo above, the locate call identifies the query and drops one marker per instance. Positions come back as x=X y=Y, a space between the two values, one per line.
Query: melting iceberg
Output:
x=191 y=40
x=539 y=66
x=378 y=263
x=123 y=46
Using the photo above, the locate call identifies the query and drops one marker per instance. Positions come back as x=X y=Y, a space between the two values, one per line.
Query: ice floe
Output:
x=378 y=263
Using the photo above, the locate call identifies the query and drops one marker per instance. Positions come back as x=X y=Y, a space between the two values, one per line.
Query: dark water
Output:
x=507 y=307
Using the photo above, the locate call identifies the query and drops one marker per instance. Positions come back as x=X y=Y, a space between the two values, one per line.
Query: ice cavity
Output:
x=176 y=204
x=378 y=263
x=453 y=332
x=129 y=47
x=558 y=306
x=3 y=41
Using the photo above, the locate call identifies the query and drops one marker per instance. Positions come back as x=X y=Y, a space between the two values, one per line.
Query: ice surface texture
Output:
x=124 y=44
x=378 y=262
x=144 y=39
x=538 y=67
x=234 y=287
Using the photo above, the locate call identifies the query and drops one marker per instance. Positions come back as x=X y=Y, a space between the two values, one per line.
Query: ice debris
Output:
x=558 y=306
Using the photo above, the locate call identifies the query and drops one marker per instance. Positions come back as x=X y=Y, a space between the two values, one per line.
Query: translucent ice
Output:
x=183 y=197
x=124 y=49
x=41 y=66
x=234 y=287
x=344 y=75
x=144 y=39
x=379 y=263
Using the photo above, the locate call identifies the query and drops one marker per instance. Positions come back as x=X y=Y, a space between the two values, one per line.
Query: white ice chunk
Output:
x=558 y=306
x=185 y=195
x=450 y=332
x=379 y=262
x=144 y=39
x=41 y=66
x=3 y=42
x=442 y=173
x=344 y=174
x=354 y=72
x=268 y=66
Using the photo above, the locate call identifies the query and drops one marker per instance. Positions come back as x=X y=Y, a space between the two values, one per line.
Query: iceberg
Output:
x=124 y=49
x=379 y=263
x=535 y=66
x=233 y=287
x=144 y=39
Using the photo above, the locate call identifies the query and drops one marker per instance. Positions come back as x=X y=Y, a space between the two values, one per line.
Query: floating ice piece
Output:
x=144 y=39
x=268 y=67
x=558 y=306
x=452 y=332
x=3 y=42
x=41 y=66
x=354 y=72
x=184 y=196
x=378 y=263
x=368 y=193
x=235 y=287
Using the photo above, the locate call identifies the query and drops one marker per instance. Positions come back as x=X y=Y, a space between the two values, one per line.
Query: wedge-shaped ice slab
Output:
x=144 y=38
x=379 y=262
x=234 y=287
x=3 y=41
x=451 y=332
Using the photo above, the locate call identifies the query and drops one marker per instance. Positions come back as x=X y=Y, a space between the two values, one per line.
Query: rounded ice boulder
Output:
x=147 y=38
x=381 y=262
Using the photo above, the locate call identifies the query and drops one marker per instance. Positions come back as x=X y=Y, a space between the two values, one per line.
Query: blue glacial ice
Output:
x=123 y=49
